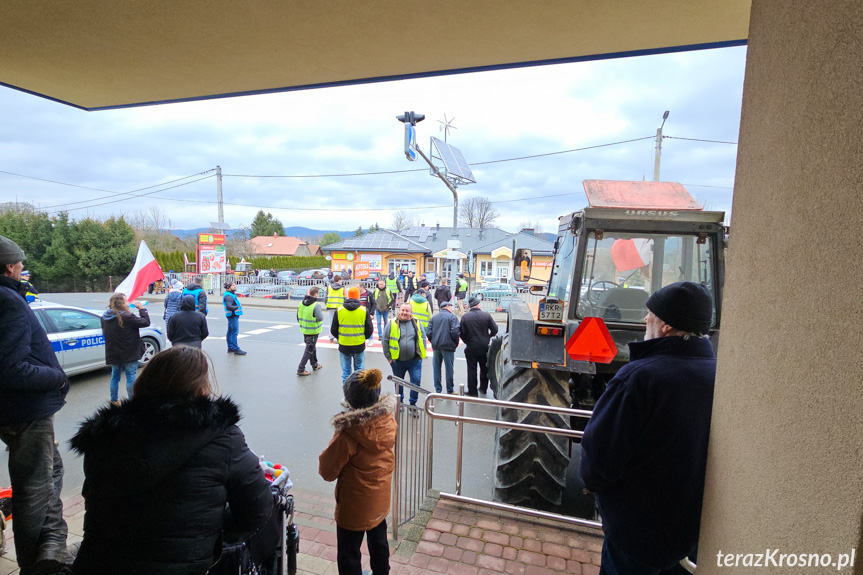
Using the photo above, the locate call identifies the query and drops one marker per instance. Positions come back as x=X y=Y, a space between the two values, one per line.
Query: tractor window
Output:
x=622 y=270
x=560 y=284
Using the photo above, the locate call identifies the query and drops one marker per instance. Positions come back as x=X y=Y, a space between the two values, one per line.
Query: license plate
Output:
x=550 y=311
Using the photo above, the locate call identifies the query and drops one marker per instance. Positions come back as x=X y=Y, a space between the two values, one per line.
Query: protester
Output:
x=310 y=317
x=123 y=345
x=33 y=388
x=410 y=284
x=644 y=450
x=476 y=329
x=461 y=292
x=32 y=293
x=188 y=326
x=335 y=299
x=405 y=349
x=394 y=287
x=442 y=293
x=360 y=458
x=172 y=301
x=421 y=308
x=233 y=311
x=352 y=325
x=194 y=289
x=159 y=470
x=443 y=334
x=382 y=300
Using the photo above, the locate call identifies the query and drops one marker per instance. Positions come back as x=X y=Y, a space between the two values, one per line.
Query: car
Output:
x=488 y=280
x=312 y=275
x=299 y=292
x=494 y=291
x=432 y=278
x=271 y=291
x=288 y=276
x=504 y=303
x=76 y=336
x=519 y=285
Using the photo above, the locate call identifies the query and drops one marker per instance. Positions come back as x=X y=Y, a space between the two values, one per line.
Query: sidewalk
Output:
x=447 y=538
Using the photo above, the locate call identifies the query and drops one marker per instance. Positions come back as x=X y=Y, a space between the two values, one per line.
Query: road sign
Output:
x=410 y=142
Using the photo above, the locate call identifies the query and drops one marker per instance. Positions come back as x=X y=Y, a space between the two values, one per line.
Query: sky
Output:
x=330 y=132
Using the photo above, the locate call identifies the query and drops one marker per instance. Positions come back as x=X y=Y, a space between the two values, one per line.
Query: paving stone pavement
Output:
x=456 y=539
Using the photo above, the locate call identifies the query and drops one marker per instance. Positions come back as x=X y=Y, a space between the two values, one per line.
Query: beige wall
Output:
x=785 y=466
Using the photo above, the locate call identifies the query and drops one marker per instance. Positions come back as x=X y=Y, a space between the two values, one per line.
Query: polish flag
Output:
x=631 y=254
x=185 y=258
x=145 y=271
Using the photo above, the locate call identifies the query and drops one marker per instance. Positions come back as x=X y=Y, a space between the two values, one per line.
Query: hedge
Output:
x=174 y=261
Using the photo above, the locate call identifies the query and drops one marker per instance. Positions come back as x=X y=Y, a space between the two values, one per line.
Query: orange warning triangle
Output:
x=591 y=342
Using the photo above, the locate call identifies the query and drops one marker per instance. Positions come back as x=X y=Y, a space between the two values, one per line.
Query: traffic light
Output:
x=411 y=118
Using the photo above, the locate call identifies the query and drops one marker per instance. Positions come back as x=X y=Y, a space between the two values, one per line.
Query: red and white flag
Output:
x=631 y=254
x=185 y=258
x=145 y=271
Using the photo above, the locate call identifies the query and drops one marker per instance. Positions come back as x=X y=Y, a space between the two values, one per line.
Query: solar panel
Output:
x=453 y=160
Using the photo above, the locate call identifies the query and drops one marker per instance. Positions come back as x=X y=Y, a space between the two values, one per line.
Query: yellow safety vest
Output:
x=390 y=296
x=309 y=325
x=422 y=312
x=395 y=334
x=461 y=286
x=352 y=326
x=335 y=297
x=393 y=285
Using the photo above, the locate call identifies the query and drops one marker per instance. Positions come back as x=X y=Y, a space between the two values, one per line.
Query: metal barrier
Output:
x=461 y=419
x=413 y=453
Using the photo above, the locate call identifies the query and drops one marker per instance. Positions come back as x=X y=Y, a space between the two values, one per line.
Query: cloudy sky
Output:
x=353 y=130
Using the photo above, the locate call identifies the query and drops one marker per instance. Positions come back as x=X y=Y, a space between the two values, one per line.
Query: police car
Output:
x=76 y=336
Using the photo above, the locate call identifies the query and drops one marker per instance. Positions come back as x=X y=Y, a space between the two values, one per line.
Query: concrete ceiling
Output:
x=99 y=54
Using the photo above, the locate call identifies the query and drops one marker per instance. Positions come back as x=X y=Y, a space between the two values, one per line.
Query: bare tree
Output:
x=154 y=226
x=529 y=225
x=401 y=221
x=477 y=213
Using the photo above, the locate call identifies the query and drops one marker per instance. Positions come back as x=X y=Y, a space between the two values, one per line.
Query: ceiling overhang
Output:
x=102 y=54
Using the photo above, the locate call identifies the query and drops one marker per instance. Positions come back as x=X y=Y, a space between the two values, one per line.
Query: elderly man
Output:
x=476 y=330
x=443 y=333
x=645 y=448
x=405 y=349
x=32 y=390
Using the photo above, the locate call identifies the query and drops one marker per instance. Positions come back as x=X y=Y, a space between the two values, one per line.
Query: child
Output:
x=360 y=455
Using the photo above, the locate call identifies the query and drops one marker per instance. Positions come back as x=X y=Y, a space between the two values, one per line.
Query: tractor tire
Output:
x=531 y=467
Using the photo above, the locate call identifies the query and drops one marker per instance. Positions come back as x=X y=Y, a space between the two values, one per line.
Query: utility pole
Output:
x=658 y=154
x=219 y=195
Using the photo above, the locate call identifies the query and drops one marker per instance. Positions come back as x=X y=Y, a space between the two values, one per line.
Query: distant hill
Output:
x=294 y=231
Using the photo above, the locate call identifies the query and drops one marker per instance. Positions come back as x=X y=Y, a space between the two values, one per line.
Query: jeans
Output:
x=358 y=359
x=233 y=330
x=476 y=357
x=311 y=352
x=382 y=316
x=131 y=370
x=447 y=357
x=415 y=368
x=348 y=556
x=36 y=473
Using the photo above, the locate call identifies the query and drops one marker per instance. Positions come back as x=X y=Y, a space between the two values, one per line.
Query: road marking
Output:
x=257 y=331
x=242 y=335
x=282 y=326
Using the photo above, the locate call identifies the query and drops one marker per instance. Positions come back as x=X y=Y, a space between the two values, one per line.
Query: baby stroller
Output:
x=243 y=556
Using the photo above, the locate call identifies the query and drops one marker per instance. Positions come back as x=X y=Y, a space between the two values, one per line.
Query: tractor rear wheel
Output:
x=531 y=467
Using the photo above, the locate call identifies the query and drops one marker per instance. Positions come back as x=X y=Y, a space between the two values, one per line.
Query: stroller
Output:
x=243 y=556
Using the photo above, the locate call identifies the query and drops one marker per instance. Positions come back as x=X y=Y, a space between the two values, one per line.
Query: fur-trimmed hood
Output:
x=143 y=441
x=360 y=423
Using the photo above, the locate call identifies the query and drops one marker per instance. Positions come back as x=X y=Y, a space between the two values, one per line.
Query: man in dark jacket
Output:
x=352 y=326
x=644 y=450
x=476 y=330
x=442 y=293
x=194 y=289
x=123 y=345
x=443 y=333
x=32 y=390
x=188 y=326
x=410 y=284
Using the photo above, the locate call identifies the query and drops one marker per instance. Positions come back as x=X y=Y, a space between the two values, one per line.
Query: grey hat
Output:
x=10 y=253
x=687 y=306
x=474 y=301
x=444 y=304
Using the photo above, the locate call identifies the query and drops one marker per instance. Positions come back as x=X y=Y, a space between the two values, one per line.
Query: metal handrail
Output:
x=460 y=420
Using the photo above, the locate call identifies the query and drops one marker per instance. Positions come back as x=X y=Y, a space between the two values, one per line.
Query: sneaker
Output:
x=115 y=403
x=239 y=352
x=303 y=373
x=451 y=392
x=231 y=350
x=317 y=367
x=48 y=567
x=332 y=339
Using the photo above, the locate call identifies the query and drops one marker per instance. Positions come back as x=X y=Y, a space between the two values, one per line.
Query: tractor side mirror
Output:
x=521 y=265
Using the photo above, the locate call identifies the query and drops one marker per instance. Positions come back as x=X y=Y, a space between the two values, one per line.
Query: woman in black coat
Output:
x=123 y=345
x=158 y=471
x=188 y=326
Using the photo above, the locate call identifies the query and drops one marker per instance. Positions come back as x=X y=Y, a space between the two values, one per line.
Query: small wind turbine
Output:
x=446 y=126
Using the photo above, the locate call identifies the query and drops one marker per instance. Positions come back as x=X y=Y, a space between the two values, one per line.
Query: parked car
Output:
x=271 y=291
x=519 y=285
x=299 y=292
x=488 y=280
x=494 y=291
x=244 y=290
x=76 y=335
x=288 y=277
x=312 y=275
x=505 y=302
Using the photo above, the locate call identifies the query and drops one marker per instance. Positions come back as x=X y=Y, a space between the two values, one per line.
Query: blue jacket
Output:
x=442 y=331
x=645 y=449
x=32 y=383
x=172 y=304
x=200 y=296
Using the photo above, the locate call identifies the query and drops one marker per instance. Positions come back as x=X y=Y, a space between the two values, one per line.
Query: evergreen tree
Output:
x=266 y=225
x=330 y=238
x=359 y=231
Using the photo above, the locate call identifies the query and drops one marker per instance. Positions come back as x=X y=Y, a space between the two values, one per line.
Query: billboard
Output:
x=212 y=257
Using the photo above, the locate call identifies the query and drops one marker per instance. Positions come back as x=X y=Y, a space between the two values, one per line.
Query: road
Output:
x=285 y=418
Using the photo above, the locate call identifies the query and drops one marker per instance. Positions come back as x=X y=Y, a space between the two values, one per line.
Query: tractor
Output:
x=631 y=240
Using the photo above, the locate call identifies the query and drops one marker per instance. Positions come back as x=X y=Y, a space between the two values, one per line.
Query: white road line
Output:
x=257 y=331
x=282 y=326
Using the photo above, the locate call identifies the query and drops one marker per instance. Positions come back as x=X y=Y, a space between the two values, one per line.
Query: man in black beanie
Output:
x=645 y=447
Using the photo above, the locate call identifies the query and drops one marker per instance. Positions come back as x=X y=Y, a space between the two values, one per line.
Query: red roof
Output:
x=639 y=195
x=276 y=246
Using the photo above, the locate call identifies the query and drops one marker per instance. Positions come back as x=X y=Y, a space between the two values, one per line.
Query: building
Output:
x=384 y=250
x=282 y=246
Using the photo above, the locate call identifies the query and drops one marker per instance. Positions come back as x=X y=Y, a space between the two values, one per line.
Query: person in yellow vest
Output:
x=32 y=294
x=310 y=316
x=394 y=288
x=352 y=325
x=421 y=308
x=382 y=301
x=460 y=292
x=335 y=298
x=405 y=349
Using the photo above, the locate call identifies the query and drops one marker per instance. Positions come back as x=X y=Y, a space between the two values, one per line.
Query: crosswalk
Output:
x=372 y=345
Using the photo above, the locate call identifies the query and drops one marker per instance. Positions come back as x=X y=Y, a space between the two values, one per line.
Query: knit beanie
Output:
x=10 y=253
x=686 y=306
x=354 y=292
x=363 y=388
x=473 y=301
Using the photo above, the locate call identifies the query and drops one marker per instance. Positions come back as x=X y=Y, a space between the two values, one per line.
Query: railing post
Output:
x=396 y=478
x=460 y=426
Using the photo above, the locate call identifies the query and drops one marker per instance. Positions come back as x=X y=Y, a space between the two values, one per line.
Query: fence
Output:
x=72 y=284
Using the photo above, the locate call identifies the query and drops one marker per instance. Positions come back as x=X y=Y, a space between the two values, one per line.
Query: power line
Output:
x=698 y=140
x=137 y=196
